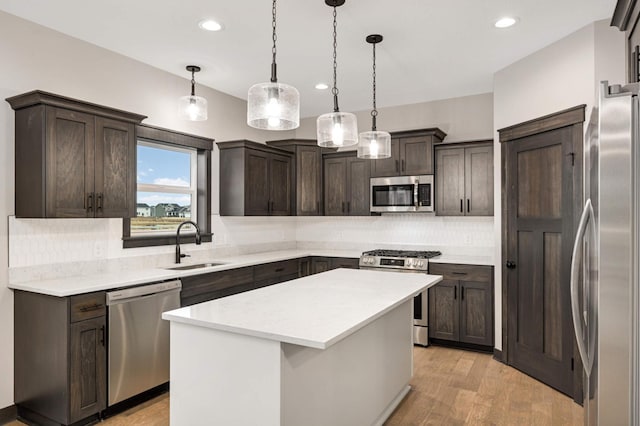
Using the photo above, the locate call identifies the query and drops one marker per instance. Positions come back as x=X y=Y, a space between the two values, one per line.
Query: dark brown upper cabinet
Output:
x=306 y=178
x=255 y=179
x=73 y=159
x=464 y=179
x=346 y=184
x=411 y=154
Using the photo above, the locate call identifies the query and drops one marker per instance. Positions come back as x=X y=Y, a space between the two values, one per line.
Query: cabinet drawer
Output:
x=87 y=306
x=345 y=262
x=215 y=281
x=451 y=271
x=276 y=269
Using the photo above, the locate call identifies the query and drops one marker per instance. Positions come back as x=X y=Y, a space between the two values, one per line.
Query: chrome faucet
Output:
x=198 y=239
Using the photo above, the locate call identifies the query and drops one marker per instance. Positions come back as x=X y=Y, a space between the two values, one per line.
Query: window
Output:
x=172 y=185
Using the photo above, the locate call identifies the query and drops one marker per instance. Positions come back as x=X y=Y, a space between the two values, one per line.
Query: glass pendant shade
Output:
x=193 y=108
x=337 y=129
x=273 y=106
x=374 y=144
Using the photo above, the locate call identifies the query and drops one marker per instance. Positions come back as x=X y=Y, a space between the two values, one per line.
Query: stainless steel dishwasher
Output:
x=138 y=346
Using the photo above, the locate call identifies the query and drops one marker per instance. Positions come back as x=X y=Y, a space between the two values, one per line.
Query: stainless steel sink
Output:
x=195 y=266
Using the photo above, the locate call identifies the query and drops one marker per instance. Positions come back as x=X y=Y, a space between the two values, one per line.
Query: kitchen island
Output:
x=332 y=348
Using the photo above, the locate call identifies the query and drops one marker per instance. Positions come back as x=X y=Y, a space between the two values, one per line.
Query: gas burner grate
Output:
x=403 y=253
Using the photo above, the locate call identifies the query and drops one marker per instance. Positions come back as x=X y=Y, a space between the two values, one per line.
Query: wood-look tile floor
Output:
x=449 y=387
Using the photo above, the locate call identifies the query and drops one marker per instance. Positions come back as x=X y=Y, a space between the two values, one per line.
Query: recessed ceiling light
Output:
x=210 y=25
x=322 y=86
x=506 y=22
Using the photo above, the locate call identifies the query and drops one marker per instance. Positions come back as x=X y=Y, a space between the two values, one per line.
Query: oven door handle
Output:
x=415 y=194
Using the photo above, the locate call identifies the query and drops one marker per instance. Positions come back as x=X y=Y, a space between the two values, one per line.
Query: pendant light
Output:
x=336 y=129
x=193 y=107
x=273 y=105
x=374 y=144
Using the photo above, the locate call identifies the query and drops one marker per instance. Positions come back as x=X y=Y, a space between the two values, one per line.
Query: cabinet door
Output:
x=256 y=189
x=115 y=166
x=476 y=316
x=416 y=156
x=345 y=262
x=388 y=166
x=309 y=181
x=450 y=182
x=87 y=368
x=358 y=187
x=320 y=264
x=479 y=180
x=70 y=158
x=280 y=185
x=335 y=184
x=444 y=311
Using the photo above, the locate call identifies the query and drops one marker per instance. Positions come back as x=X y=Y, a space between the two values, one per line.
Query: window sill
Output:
x=162 y=240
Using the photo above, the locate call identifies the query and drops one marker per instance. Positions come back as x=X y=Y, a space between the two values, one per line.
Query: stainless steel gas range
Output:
x=406 y=261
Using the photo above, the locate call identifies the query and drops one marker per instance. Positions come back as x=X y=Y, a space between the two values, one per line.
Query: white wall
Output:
x=462 y=119
x=34 y=57
x=562 y=75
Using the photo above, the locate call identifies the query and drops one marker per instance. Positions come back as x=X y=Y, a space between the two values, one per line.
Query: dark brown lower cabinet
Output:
x=461 y=305
x=322 y=264
x=60 y=362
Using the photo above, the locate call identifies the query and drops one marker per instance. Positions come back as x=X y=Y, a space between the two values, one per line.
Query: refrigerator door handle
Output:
x=576 y=262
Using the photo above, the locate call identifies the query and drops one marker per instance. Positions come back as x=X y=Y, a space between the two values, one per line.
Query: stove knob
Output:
x=421 y=263
x=410 y=262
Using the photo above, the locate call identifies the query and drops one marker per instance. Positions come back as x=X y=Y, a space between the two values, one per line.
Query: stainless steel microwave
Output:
x=402 y=194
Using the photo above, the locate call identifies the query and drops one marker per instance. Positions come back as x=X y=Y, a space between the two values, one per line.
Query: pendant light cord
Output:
x=274 y=77
x=374 y=111
x=193 y=83
x=334 y=90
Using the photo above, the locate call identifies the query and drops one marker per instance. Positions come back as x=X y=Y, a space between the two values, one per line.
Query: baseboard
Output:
x=8 y=414
x=497 y=355
x=461 y=345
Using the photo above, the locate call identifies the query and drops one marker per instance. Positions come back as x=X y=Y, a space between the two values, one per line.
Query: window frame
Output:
x=171 y=139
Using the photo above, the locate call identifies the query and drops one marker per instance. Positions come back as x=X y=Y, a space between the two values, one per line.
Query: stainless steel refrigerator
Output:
x=604 y=269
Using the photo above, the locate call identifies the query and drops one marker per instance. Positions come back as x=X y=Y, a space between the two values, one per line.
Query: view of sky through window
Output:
x=163 y=167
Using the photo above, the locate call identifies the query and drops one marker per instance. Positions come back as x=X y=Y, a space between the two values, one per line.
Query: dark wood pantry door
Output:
x=541 y=194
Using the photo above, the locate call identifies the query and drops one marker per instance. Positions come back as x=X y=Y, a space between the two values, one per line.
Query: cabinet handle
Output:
x=318 y=207
x=403 y=168
x=272 y=204
x=397 y=166
x=102 y=335
x=458 y=273
x=90 y=201
x=99 y=201
x=348 y=206
x=461 y=209
x=468 y=205
x=343 y=207
x=279 y=269
x=462 y=293
x=455 y=293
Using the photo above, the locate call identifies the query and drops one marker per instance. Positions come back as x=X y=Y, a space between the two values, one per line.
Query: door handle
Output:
x=461 y=208
x=348 y=206
x=576 y=262
x=99 y=201
x=511 y=264
x=90 y=201
x=102 y=335
x=468 y=206
x=343 y=207
x=455 y=293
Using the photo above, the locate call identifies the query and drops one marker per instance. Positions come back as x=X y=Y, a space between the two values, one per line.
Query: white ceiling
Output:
x=432 y=49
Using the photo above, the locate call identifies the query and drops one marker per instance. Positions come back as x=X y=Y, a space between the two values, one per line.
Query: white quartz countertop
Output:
x=73 y=285
x=315 y=311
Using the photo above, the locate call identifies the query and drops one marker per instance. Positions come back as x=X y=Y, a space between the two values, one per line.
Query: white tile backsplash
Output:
x=54 y=248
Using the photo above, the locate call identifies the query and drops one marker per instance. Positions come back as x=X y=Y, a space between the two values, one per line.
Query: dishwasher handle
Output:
x=118 y=296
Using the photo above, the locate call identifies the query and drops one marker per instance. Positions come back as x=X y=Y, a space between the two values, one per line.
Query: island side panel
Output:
x=354 y=382
x=222 y=378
